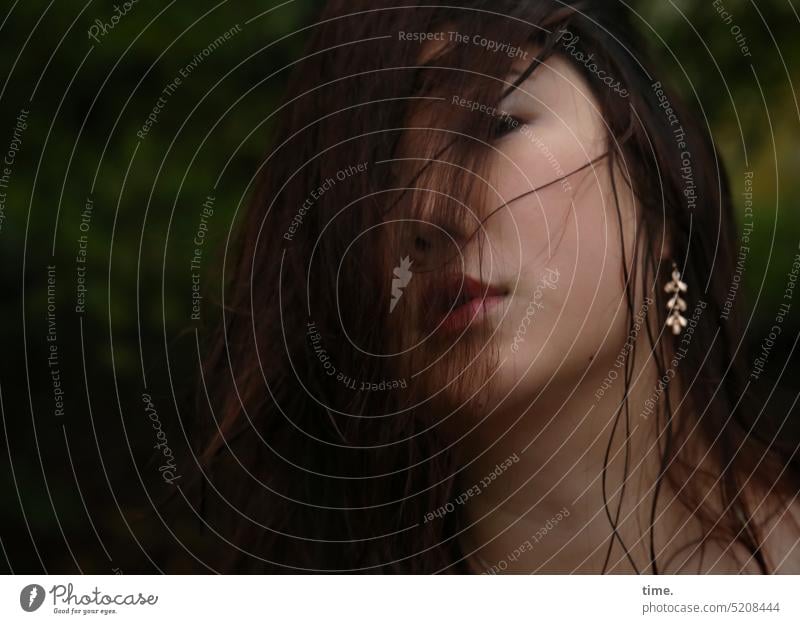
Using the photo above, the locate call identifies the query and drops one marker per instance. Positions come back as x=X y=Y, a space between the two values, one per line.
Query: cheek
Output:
x=574 y=230
x=554 y=199
x=592 y=251
x=570 y=224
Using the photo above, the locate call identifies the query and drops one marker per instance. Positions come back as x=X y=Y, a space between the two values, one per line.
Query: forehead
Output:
x=554 y=72
x=556 y=81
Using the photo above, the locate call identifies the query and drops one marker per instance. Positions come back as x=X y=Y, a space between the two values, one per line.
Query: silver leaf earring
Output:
x=676 y=304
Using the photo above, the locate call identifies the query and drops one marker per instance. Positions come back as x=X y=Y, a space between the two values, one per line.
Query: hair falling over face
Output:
x=348 y=361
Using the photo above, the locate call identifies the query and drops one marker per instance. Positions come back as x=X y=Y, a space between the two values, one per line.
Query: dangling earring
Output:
x=676 y=305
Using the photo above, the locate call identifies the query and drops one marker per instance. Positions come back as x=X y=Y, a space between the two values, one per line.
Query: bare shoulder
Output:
x=778 y=528
x=780 y=532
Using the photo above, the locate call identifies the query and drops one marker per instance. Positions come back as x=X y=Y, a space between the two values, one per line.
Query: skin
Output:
x=569 y=227
x=545 y=385
x=541 y=406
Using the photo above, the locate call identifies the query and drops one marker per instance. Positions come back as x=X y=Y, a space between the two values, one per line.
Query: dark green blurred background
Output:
x=79 y=486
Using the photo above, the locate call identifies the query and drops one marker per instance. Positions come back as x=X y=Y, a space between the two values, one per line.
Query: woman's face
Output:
x=551 y=262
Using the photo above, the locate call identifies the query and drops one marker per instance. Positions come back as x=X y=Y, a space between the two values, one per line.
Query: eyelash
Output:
x=506 y=124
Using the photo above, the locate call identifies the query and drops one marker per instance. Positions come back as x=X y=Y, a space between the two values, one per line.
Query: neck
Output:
x=539 y=502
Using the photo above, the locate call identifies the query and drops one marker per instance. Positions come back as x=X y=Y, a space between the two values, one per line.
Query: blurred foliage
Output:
x=87 y=101
x=751 y=105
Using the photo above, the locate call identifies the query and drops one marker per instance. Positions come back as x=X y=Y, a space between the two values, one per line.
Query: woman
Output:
x=478 y=322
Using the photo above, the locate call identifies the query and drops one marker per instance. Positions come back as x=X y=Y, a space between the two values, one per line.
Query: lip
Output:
x=467 y=299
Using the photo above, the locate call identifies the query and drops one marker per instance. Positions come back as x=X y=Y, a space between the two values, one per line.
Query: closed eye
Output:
x=504 y=124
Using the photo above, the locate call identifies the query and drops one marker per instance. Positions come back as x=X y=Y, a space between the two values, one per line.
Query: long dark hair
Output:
x=307 y=462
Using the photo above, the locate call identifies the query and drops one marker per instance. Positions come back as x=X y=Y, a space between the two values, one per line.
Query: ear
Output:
x=663 y=245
